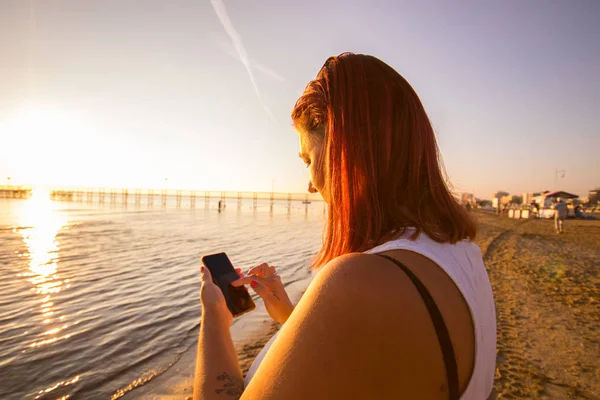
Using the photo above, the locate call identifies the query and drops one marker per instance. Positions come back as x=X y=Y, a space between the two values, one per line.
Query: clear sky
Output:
x=128 y=93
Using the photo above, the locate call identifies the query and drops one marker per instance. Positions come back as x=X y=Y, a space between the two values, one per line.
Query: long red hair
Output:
x=382 y=166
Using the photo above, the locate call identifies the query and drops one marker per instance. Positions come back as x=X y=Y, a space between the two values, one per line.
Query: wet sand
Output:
x=547 y=293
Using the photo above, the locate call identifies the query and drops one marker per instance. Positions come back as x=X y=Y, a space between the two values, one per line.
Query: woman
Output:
x=402 y=306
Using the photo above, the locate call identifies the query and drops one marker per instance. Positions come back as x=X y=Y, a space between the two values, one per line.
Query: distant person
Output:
x=468 y=207
x=535 y=208
x=401 y=306
x=220 y=206
x=560 y=214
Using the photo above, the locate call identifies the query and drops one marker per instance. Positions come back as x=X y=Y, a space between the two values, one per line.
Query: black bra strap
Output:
x=440 y=329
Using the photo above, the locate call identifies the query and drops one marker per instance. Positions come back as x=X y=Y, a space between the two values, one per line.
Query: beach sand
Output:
x=547 y=293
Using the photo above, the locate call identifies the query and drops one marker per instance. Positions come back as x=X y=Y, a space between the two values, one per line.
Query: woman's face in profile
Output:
x=311 y=147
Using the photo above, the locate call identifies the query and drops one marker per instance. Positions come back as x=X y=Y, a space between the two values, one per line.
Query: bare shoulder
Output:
x=365 y=286
x=371 y=284
x=361 y=272
x=374 y=289
x=360 y=331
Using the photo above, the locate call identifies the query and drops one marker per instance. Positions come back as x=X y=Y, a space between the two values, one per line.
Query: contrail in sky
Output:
x=221 y=11
x=230 y=51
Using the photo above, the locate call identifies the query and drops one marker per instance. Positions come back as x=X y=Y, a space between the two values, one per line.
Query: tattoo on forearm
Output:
x=231 y=386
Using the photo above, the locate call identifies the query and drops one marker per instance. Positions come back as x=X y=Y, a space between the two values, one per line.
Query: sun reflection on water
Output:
x=56 y=386
x=43 y=223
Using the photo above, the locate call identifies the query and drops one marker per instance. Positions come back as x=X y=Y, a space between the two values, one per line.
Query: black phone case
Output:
x=232 y=308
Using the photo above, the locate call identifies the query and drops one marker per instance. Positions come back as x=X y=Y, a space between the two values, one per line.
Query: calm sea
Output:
x=95 y=302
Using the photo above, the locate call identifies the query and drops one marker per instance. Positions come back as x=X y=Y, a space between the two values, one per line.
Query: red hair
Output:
x=382 y=167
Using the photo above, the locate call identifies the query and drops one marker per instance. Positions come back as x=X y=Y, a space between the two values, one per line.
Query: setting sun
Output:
x=44 y=143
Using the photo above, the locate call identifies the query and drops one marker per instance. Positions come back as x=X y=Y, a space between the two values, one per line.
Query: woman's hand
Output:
x=267 y=284
x=212 y=299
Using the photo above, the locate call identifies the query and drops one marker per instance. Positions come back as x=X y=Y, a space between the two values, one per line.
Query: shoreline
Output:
x=177 y=382
x=250 y=333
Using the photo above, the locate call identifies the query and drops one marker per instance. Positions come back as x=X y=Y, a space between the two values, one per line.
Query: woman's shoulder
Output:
x=375 y=291
x=352 y=269
x=366 y=283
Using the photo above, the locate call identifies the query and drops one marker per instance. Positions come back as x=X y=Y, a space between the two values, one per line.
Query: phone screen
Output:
x=237 y=298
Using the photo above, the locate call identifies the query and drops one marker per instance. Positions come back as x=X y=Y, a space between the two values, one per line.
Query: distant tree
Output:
x=517 y=199
x=484 y=203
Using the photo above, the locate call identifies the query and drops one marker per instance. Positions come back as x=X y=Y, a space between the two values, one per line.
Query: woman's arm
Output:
x=218 y=375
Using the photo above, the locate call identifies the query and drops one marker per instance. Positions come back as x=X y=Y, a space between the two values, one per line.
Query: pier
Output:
x=178 y=198
x=14 y=192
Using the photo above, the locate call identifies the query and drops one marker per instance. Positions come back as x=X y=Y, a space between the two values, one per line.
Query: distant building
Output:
x=594 y=196
x=546 y=199
x=500 y=201
x=534 y=197
x=500 y=198
x=562 y=194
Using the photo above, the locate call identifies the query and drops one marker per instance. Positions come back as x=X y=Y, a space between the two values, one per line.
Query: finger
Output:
x=260 y=288
x=257 y=269
x=239 y=272
x=242 y=281
x=247 y=280
x=272 y=269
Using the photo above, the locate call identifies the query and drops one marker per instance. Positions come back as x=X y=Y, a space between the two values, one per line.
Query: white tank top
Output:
x=464 y=265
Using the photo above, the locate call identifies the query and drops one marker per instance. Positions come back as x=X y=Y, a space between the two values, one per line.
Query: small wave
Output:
x=83 y=223
x=151 y=375
x=14 y=228
x=138 y=383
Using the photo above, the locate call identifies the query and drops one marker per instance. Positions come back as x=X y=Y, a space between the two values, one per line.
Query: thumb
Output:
x=205 y=275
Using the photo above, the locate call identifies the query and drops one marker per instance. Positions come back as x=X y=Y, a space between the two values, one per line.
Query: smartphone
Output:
x=237 y=298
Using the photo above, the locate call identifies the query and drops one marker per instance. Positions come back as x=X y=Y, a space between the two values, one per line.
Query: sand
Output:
x=547 y=292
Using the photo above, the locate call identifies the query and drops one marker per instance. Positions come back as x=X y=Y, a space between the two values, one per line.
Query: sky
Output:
x=128 y=93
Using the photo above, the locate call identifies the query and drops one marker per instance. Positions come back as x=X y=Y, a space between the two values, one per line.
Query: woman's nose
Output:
x=311 y=188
